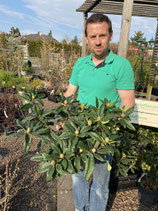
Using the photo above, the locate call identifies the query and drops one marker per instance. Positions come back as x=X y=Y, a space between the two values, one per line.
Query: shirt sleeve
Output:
x=73 y=78
x=125 y=77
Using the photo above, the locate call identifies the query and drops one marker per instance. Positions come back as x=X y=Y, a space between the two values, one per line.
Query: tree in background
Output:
x=50 y=34
x=75 y=40
x=3 y=40
x=136 y=36
x=15 y=32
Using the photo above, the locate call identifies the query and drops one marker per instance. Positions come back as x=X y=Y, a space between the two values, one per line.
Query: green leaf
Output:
x=41 y=131
x=36 y=158
x=129 y=125
x=40 y=101
x=70 y=167
x=66 y=135
x=114 y=137
x=89 y=169
x=90 y=143
x=97 y=143
x=69 y=155
x=77 y=163
x=50 y=157
x=24 y=96
x=36 y=109
x=123 y=173
x=41 y=95
x=13 y=135
x=27 y=143
x=106 y=130
x=129 y=111
x=96 y=102
x=106 y=150
x=55 y=136
x=47 y=113
x=20 y=124
x=60 y=170
x=82 y=145
x=108 y=116
x=101 y=110
x=84 y=157
x=56 y=149
x=69 y=127
x=73 y=125
x=64 y=164
x=126 y=161
x=39 y=145
x=123 y=122
x=85 y=129
x=95 y=136
x=44 y=166
x=99 y=157
x=38 y=126
x=26 y=107
x=50 y=173
x=73 y=143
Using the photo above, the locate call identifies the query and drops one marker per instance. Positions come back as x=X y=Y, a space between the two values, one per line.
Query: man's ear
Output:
x=111 y=36
x=86 y=39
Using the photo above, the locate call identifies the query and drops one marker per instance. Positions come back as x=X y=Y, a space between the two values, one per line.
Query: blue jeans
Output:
x=92 y=197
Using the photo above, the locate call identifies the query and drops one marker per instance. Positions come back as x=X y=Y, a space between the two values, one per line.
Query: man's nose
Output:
x=98 y=41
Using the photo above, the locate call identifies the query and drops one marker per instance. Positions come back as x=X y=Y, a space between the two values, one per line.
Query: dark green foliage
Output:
x=87 y=133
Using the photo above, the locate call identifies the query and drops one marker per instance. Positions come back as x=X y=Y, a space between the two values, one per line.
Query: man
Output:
x=101 y=74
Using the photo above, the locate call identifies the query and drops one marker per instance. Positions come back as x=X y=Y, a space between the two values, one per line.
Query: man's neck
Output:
x=97 y=60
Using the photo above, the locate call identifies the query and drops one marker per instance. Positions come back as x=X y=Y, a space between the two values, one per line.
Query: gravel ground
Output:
x=29 y=189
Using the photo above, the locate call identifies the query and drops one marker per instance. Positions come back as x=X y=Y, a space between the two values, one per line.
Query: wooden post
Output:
x=83 y=37
x=125 y=28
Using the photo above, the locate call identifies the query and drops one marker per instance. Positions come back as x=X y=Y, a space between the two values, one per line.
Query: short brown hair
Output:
x=98 y=18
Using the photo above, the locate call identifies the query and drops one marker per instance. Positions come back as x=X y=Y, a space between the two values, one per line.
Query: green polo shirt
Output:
x=103 y=81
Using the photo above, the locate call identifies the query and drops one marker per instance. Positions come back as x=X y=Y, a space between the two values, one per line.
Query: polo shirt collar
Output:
x=108 y=59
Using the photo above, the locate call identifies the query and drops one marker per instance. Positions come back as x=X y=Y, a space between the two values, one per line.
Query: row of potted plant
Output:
x=12 y=83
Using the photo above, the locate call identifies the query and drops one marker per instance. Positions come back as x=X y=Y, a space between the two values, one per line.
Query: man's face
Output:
x=98 y=38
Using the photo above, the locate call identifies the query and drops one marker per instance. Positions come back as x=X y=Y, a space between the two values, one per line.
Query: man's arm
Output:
x=127 y=98
x=70 y=90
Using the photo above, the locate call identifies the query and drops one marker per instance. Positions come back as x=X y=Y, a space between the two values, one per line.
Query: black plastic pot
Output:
x=147 y=197
x=122 y=183
x=53 y=98
x=9 y=130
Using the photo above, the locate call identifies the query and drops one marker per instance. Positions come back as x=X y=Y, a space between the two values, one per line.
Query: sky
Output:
x=60 y=16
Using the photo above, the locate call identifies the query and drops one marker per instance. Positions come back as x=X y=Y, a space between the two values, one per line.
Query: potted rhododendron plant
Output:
x=87 y=133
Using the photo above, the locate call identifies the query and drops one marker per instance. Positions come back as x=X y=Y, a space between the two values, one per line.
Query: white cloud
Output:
x=57 y=11
x=10 y=12
x=144 y=24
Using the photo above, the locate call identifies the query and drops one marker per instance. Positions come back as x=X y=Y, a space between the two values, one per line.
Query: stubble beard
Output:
x=101 y=56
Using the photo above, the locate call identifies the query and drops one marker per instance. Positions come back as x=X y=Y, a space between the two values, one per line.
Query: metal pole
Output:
x=141 y=67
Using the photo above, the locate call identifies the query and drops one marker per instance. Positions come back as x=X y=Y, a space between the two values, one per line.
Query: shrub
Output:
x=11 y=82
x=28 y=69
x=88 y=133
x=136 y=65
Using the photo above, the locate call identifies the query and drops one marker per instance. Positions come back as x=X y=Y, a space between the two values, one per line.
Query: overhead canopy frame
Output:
x=145 y=8
x=126 y=8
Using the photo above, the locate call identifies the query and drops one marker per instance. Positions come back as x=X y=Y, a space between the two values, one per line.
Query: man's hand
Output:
x=58 y=127
x=70 y=90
